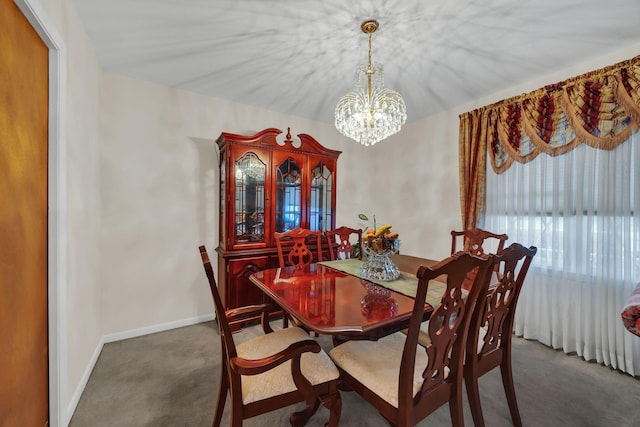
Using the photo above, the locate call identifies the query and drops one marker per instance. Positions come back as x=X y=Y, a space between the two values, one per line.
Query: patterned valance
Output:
x=600 y=109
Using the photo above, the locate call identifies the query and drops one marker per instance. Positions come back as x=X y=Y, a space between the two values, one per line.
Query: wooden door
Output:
x=23 y=221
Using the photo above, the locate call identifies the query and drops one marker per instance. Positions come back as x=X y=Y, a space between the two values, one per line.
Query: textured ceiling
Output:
x=298 y=56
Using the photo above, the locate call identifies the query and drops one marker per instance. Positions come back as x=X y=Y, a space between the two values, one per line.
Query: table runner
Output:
x=406 y=284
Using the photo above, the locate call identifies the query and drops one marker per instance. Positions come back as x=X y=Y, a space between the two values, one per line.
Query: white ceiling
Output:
x=298 y=56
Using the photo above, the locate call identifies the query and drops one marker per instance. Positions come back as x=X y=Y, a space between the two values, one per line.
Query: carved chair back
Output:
x=443 y=373
x=489 y=344
x=299 y=255
x=226 y=337
x=475 y=239
x=341 y=239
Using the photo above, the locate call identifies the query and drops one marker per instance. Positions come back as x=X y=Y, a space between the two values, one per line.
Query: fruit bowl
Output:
x=378 y=247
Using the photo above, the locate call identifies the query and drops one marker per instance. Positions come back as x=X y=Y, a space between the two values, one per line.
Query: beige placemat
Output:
x=406 y=284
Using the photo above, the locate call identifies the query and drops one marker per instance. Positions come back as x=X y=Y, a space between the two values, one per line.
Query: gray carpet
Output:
x=171 y=379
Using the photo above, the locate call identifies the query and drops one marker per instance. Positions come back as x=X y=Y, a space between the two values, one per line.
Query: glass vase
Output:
x=378 y=264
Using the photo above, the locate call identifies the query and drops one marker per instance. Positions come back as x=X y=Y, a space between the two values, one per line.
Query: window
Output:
x=582 y=211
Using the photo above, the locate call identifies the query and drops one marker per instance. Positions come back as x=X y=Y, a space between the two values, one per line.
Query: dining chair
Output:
x=490 y=333
x=341 y=238
x=403 y=380
x=474 y=240
x=271 y=371
x=299 y=255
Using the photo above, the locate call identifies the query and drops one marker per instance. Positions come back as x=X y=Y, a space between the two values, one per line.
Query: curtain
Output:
x=582 y=211
x=473 y=164
x=600 y=109
x=563 y=176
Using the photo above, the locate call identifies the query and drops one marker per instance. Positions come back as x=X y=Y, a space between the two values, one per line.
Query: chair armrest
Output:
x=258 y=366
x=249 y=311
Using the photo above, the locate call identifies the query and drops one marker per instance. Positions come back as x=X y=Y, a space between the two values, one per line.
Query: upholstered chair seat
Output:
x=316 y=367
x=376 y=364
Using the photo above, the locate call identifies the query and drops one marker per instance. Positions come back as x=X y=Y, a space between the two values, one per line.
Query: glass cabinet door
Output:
x=288 y=196
x=250 y=174
x=320 y=208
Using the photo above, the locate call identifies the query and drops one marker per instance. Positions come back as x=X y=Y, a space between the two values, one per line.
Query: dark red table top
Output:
x=332 y=302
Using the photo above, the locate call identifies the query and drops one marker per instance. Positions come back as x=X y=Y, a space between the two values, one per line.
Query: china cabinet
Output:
x=267 y=186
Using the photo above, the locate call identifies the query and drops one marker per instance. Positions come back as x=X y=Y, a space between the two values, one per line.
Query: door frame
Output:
x=57 y=208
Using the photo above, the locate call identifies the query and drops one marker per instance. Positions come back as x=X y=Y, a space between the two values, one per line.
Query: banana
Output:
x=382 y=230
x=391 y=236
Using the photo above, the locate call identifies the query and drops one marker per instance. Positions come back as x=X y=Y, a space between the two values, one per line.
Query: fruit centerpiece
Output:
x=378 y=247
x=380 y=241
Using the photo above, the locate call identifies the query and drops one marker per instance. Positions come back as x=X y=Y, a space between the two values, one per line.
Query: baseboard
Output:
x=73 y=403
x=118 y=336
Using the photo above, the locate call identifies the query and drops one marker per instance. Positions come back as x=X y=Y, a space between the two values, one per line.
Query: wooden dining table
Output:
x=330 y=297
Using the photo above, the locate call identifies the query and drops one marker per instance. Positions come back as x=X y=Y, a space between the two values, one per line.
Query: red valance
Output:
x=600 y=109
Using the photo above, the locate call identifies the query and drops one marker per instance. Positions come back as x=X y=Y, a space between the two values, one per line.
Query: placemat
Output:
x=406 y=284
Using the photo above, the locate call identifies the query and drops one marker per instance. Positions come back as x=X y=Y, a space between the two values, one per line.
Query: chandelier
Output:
x=371 y=112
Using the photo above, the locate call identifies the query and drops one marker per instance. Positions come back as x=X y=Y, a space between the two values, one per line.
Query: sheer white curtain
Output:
x=582 y=211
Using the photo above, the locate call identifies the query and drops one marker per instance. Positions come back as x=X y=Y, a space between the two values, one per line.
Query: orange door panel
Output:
x=23 y=221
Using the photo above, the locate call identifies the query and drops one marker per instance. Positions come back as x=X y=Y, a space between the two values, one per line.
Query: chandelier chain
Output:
x=369 y=77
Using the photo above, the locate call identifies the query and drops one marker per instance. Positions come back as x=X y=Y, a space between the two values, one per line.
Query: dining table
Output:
x=331 y=297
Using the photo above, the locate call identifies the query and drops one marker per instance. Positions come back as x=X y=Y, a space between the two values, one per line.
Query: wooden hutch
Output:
x=266 y=187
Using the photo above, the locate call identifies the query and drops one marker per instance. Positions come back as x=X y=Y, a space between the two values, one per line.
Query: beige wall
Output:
x=81 y=329
x=159 y=175
x=142 y=173
x=159 y=194
x=416 y=173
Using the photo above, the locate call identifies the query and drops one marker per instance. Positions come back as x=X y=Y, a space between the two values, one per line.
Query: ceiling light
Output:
x=371 y=112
